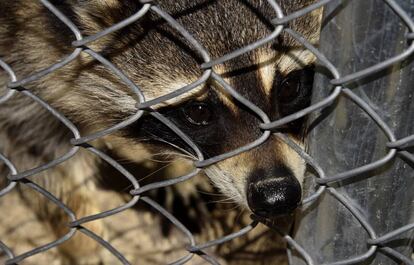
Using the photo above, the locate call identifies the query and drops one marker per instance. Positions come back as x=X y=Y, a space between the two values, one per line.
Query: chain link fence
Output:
x=330 y=91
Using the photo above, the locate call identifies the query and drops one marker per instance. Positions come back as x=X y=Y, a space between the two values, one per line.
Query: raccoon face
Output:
x=276 y=77
x=268 y=178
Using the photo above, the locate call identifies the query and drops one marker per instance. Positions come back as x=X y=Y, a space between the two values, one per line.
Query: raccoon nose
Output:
x=271 y=197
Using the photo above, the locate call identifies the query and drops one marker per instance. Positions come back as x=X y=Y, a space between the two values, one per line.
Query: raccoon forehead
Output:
x=270 y=63
x=158 y=62
x=166 y=83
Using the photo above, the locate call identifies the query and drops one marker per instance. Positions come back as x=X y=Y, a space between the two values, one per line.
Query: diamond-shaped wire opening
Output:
x=373 y=165
x=62 y=158
x=54 y=243
x=405 y=18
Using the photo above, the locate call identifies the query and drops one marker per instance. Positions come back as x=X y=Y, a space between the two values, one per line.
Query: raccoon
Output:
x=265 y=181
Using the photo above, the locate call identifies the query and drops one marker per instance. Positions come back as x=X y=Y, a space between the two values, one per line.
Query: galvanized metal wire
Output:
x=377 y=239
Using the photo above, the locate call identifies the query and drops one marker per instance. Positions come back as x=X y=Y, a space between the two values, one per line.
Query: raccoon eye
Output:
x=289 y=90
x=294 y=92
x=198 y=113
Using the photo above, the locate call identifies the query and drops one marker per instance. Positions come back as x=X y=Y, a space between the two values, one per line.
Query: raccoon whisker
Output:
x=180 y=149
x=176 y=156
x=148 y=175
x=221 y=202
x=210 y=193
x=156 y=138
x=179 y=155
x=161 y=161
x=131 y=161
x=155 y=171
x=226 y=200
x=126 y=161
x=167 y=164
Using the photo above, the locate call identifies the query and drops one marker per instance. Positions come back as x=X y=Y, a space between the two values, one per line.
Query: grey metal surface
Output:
x=345 y=137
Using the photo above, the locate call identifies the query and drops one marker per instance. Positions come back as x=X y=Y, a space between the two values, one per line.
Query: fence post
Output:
x=356 y=35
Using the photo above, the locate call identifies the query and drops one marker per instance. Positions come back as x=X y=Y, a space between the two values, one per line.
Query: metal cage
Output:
x=359 y=203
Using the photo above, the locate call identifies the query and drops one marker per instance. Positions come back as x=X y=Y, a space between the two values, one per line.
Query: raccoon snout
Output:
x=272 y=196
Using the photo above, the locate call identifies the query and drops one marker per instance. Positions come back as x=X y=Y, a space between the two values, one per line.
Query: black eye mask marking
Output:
x=205 y=122
x=290 y=94
x=214 y=128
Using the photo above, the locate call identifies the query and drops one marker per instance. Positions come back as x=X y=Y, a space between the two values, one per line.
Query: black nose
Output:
x=270 y=197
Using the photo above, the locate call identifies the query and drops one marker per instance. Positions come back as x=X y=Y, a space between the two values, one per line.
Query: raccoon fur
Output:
x=265 y=181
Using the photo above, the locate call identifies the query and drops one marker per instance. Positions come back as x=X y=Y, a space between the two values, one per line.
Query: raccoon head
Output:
x=276 y=77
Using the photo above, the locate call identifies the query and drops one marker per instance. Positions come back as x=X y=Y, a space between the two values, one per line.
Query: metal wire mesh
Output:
x=377 y=239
